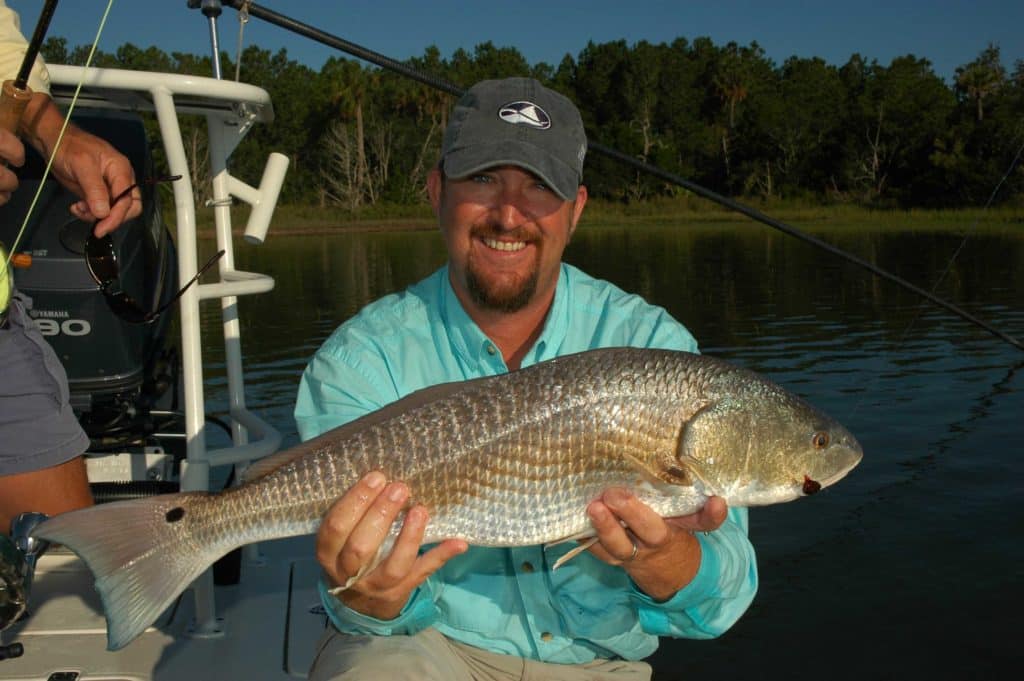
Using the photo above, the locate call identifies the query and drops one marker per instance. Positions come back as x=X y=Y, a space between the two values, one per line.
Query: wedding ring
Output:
x=632 y=556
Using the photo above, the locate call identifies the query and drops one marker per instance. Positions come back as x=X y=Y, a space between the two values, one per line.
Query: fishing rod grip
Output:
x=13 y=101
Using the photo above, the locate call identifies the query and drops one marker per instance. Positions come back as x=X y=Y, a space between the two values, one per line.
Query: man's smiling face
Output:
x=505 y=231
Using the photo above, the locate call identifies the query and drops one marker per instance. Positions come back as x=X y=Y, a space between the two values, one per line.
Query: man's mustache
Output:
x=495 y=231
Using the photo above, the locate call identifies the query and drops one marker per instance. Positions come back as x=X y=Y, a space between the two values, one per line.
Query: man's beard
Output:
x=501 y=298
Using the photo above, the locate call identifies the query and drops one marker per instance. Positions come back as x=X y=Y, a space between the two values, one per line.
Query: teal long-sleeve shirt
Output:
x=508 y=600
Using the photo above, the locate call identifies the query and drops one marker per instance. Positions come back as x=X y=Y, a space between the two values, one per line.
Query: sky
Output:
x=949 y=33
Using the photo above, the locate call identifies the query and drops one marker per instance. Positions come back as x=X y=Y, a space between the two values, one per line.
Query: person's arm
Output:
x=12 y=152
x=693 y=576
x=390 y=595
x=337 y=388
x=85 y=164
x=396 y=595
x=718 y=595
x=13 y=46
x=12 y=52
x=51 y=490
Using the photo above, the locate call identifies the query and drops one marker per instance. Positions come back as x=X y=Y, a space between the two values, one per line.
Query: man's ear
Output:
x=434 y=186
x=577 y=208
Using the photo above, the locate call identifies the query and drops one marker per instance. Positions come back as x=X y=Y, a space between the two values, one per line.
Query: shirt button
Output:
x=527 y=567
x=546 y=636
x=491 y=349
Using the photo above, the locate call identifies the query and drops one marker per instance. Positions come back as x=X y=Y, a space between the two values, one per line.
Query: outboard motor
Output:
x=117 y=370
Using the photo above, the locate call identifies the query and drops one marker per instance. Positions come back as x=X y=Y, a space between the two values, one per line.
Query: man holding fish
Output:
x=564 y=429
x=508 y=195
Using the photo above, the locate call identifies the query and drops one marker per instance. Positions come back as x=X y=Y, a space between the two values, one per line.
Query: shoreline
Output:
x=345 y=227
x=306 y=221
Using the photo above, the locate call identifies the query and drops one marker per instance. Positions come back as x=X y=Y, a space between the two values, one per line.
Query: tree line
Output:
x=724 y=116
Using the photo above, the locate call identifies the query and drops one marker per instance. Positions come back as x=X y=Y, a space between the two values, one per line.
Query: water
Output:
x=911 y=567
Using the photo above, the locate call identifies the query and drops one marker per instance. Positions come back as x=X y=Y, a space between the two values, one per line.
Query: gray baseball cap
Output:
x=516 y=121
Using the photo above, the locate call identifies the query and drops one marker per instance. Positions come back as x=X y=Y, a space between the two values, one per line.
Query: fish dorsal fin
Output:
x=419 y=398
x=270 y=463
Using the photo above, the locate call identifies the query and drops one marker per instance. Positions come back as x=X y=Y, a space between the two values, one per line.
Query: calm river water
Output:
x=913 y=566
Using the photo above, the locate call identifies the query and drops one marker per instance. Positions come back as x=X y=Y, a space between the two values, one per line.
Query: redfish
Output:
x=509 y=460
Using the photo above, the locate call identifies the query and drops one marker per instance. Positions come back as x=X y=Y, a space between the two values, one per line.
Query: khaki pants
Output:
x=429 y=656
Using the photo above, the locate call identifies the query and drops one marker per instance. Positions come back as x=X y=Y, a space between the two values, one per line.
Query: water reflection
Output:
x=916 y=551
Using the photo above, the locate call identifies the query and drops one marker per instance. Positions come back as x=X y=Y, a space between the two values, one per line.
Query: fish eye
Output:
x=820 y=439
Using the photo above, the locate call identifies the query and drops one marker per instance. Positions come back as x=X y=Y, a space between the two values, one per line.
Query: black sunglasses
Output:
x=102 y=262
x=74 y=232
x=101 y=259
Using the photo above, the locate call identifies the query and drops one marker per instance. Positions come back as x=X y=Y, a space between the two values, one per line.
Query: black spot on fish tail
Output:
x=177 y=513
x=811 y=486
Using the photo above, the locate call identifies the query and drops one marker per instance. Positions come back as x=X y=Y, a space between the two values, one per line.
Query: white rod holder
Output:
x=262 y=200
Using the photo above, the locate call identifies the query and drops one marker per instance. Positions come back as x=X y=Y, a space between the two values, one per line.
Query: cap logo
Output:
x=525 y=113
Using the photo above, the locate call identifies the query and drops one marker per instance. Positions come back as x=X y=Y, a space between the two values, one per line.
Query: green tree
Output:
x=898 y=116
x=723 y=116
x=486 y=61
x=978 y=152
x=739 y=73
x=981 y=78
x=288 y=83
x=55 y=50
x=802 y=124
x=347 y=85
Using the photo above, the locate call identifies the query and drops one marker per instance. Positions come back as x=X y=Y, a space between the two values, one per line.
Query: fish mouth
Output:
x=854 y=457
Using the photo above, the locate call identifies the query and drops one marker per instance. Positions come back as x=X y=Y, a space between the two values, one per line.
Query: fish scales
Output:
x=502 y=461
x=510 y=456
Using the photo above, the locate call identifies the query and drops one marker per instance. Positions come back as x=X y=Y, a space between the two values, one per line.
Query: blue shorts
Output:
x=38 y=429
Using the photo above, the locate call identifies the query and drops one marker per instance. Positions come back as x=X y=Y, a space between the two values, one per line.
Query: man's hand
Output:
x=667 y=554
x=12 y=153
x=94 y=170
x=87 y=165
x=352 y=533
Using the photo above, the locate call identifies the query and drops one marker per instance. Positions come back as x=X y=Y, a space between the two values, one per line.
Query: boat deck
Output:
x=269 y=624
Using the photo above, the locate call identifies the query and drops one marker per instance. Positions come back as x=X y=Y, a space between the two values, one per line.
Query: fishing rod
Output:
x=313 y=33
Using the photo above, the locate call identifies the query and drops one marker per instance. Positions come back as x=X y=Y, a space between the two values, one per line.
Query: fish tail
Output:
x=142 y=553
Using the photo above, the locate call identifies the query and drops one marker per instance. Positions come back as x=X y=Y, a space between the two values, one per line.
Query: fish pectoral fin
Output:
x=572 y=553
x=585 y=534
x=336 y=591
x=688 y=469
x=382 y=551
x=691 y=470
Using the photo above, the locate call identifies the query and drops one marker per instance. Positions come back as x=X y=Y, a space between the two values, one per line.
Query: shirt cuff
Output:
x=417 y=614
x=654 y=615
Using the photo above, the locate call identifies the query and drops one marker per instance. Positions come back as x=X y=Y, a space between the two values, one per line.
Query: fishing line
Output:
x=60 y=137
x=963 y=242
x=868 y=389
x=243 y=19
x=320 y=36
